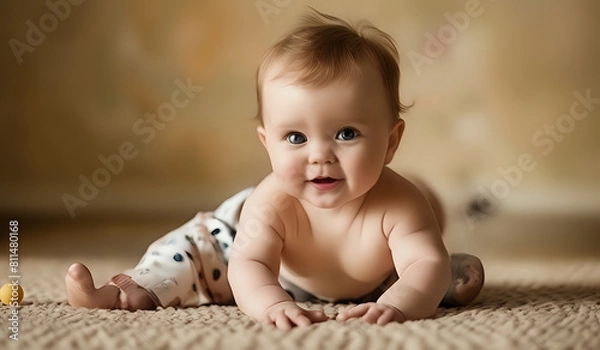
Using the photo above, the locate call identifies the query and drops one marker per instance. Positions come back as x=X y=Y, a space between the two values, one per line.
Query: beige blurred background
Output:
x=489 y=80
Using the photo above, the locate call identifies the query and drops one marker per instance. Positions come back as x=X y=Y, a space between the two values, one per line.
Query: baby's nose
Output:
x=321 y=154
x=321 y=158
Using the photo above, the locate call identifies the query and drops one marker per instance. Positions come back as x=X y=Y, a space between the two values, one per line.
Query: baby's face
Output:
x=328 y=145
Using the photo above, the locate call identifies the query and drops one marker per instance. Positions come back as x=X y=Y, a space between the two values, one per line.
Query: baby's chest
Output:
x=354 y=252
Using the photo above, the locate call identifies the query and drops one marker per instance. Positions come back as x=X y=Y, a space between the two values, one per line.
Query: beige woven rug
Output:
x=525 y=305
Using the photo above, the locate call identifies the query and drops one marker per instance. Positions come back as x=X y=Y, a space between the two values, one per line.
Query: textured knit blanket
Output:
x=524 y=305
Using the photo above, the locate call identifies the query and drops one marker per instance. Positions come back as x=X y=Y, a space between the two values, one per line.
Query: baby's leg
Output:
x=467 y=280
x=120 y=293
x=183 y=268
x=81 y=291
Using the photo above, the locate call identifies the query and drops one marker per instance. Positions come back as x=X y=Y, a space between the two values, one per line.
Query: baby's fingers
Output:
x=279 y=319
x=387 y=317
x=288 y=315
x=287 y=319
x=298 y=317
x=302 y=318
x=283 y=322
x=353 y=312
x=372 y=315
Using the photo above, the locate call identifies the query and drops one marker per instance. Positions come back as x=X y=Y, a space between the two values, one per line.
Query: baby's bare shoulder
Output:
x=268 y=203
x=401 y=203
x=395 y=190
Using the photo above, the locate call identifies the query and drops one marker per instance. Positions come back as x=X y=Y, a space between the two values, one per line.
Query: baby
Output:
x=331 y=222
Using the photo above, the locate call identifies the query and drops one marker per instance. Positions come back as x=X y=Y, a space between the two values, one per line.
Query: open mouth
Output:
x=323 y=180
x=324 y=183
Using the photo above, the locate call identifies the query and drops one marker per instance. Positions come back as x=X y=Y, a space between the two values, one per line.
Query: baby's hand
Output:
x=288 y=314
x=372 y=313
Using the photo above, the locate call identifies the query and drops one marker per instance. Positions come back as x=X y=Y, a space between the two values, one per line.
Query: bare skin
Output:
x=465 y=284
x=344 y=221
x=81 y=291
x=467 y=281
x=332 y=218
x=467 y=270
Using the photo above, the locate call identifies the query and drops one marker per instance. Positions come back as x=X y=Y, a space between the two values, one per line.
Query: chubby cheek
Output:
x=286 y=168
x=366 y=168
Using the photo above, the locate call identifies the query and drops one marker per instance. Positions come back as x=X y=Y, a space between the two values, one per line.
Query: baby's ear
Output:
x=262 y=135
x=394 y=140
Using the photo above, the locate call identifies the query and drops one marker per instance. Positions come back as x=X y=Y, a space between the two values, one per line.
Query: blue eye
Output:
x=347 y=134
x=296 y=138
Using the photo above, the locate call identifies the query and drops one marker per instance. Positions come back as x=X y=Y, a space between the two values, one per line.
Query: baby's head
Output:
x=325 y=49
x=329 y=109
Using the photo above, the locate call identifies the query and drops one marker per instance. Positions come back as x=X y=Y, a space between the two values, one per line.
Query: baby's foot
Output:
x=467 y=280
x=82 y=293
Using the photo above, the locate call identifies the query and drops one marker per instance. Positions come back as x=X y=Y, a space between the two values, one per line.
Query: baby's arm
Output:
x=423 y=268
x=254 y=269
x=421 y=262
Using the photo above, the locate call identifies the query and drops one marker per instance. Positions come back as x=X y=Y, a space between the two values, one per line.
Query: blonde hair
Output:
x=325 y=49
